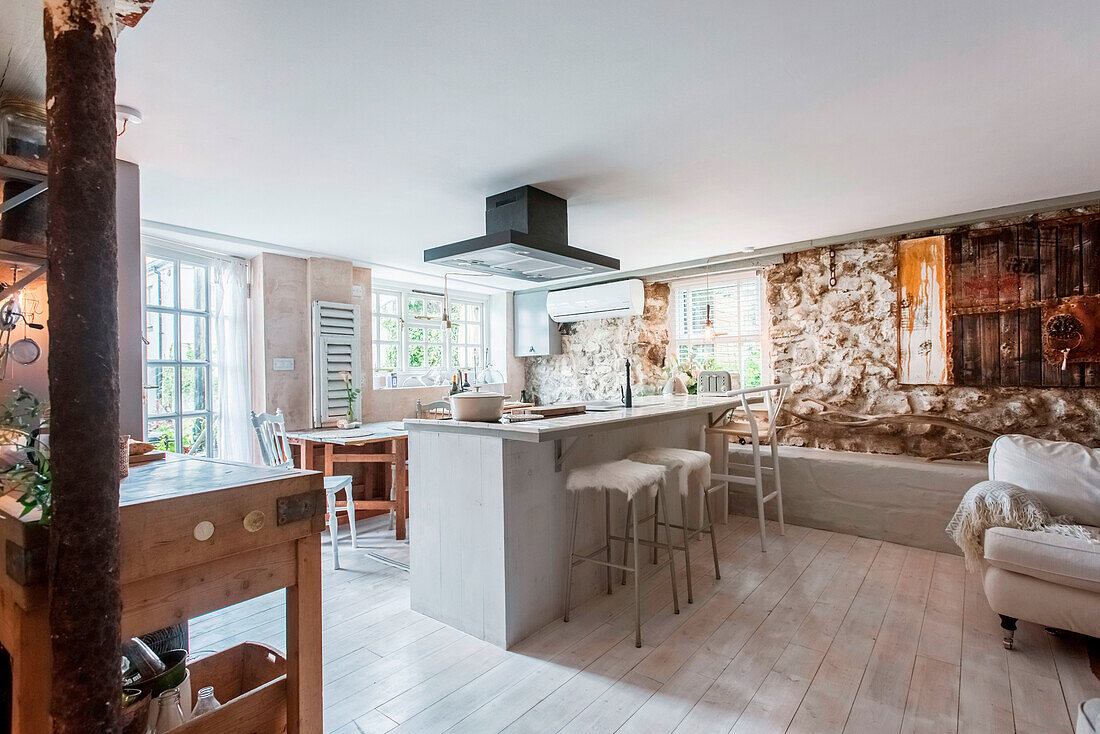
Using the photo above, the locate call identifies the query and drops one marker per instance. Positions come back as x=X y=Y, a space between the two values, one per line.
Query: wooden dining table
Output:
x=392 y=434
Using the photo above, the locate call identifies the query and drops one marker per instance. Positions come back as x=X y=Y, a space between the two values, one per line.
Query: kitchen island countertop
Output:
x=646 y=409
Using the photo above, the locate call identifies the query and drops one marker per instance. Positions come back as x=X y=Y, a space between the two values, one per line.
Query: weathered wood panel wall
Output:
x=1001 y=280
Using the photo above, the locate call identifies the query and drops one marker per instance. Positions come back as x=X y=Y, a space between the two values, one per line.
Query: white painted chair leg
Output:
x=759 y=496
x=351 y=515
x=393 y=490
x=333 y=524
x=778 y=484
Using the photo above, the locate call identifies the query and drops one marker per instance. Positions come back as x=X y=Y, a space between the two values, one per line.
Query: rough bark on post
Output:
x=83 y=367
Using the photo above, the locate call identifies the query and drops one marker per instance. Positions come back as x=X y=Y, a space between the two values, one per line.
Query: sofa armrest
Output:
x=1051 y=557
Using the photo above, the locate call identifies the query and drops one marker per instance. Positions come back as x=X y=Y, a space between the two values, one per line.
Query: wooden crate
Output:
x=250 y=682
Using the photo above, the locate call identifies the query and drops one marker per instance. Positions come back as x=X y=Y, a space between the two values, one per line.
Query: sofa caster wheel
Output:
x=1053 y=631
x=1008 y=624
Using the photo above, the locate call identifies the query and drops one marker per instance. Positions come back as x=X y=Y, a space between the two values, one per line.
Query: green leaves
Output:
x=22 y=417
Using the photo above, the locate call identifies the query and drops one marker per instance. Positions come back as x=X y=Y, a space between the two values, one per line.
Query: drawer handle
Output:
x=254 y=521
x=204 y=531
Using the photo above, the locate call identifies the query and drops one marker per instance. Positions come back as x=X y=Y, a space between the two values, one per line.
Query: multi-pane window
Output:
x=178 y=396
x=410 y=336
x=733 y=341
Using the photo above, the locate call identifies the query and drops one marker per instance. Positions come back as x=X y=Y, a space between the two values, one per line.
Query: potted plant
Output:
x=22 y=417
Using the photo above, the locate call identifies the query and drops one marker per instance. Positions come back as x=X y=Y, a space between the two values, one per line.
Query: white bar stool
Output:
x=746 y=429
x=627 y=478
x=693 y=471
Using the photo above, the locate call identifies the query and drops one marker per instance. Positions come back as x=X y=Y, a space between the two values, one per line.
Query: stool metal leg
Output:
x=710 y=526
x=663 y=500
x=626 y=543
x=637 y=582
x=778 y=485
x=572 y=542
x=607 y=534
x=687 y=540
x=653 y=555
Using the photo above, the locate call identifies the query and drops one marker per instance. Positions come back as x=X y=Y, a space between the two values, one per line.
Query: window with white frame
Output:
x=178 y=397
x=734 y=340
x=410 y=337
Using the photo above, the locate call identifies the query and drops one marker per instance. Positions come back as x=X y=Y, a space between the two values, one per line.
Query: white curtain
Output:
x=229 y=307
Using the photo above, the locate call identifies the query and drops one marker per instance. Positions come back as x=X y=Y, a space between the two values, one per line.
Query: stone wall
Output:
x=840 y=345
x=590 y=366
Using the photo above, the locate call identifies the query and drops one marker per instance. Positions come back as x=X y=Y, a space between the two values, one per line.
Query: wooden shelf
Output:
x=22 y=252
x=32 y=168
x=35 y=167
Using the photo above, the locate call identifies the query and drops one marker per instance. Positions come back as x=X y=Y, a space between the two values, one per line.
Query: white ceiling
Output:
x=677 y=130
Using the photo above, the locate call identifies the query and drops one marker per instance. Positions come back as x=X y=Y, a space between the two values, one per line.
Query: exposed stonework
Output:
x=840 y=345
x=591 y=363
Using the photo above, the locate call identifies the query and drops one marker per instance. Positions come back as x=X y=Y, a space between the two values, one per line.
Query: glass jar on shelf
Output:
x=22 y=128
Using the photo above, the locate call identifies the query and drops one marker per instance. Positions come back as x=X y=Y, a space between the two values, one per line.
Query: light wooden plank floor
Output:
x=823 y=633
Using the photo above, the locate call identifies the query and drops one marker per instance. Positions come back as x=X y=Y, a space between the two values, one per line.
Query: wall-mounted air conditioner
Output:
x=603 y=301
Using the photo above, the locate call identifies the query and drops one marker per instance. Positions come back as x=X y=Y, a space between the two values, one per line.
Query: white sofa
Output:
x=1046 y=578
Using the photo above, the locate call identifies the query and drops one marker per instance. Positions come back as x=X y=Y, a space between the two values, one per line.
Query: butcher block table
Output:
x=196 y=535
x=390 y=433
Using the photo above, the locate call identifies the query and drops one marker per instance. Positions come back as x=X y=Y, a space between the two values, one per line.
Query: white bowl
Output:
x=477 y=406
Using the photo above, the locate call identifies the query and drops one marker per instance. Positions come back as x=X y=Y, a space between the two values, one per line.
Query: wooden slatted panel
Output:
x=1069 y=260
x=1031 y=347
x=1090 y=258
x=998 y=279
x=986 y=284
x=964 y=261
x=1027 y=241
x=990 y=325
x=336 y=334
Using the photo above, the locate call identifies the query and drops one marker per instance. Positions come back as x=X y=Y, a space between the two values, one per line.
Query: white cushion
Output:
x=1064 y=476
x=1048 y=556
x=628 y=477
x=693 y=467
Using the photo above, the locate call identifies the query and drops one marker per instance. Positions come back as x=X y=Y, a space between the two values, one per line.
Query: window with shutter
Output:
x=735 y=308
x=336 y=355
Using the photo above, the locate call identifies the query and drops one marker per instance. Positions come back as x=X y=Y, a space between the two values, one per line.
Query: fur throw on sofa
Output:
x=1000 y=504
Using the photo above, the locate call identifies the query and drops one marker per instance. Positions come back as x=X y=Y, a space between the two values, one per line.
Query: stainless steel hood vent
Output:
x=526 y=237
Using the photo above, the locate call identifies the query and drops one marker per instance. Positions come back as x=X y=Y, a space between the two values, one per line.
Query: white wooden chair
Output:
x=745 y=426
x=275 y=450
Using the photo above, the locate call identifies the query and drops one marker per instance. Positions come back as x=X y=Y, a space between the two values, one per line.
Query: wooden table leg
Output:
x=303 y=641
x=328 y=460
x=29 y=649
x=401 y=491
x=307 y=455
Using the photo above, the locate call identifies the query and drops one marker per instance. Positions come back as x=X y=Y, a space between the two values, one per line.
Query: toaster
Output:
x=717 y=382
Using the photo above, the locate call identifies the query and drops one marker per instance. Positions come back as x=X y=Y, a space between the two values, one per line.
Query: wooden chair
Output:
x=439 y=410
x=275 y=450
x=755 y=423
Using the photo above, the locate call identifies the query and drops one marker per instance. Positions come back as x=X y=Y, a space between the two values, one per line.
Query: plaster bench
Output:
x=900 y=499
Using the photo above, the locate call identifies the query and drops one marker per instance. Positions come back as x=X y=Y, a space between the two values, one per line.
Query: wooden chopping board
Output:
x=556 y=411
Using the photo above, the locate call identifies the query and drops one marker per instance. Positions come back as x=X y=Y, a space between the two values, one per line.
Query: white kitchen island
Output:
x=490 y=514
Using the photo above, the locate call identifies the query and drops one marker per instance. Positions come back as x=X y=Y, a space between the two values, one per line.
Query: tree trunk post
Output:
x=85 y=606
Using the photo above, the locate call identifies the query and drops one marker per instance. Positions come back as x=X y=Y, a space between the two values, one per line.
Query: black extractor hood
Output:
x=527 y=231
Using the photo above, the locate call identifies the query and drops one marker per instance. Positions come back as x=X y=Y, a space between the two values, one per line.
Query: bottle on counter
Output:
x=454 y=384
x=465 y=380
